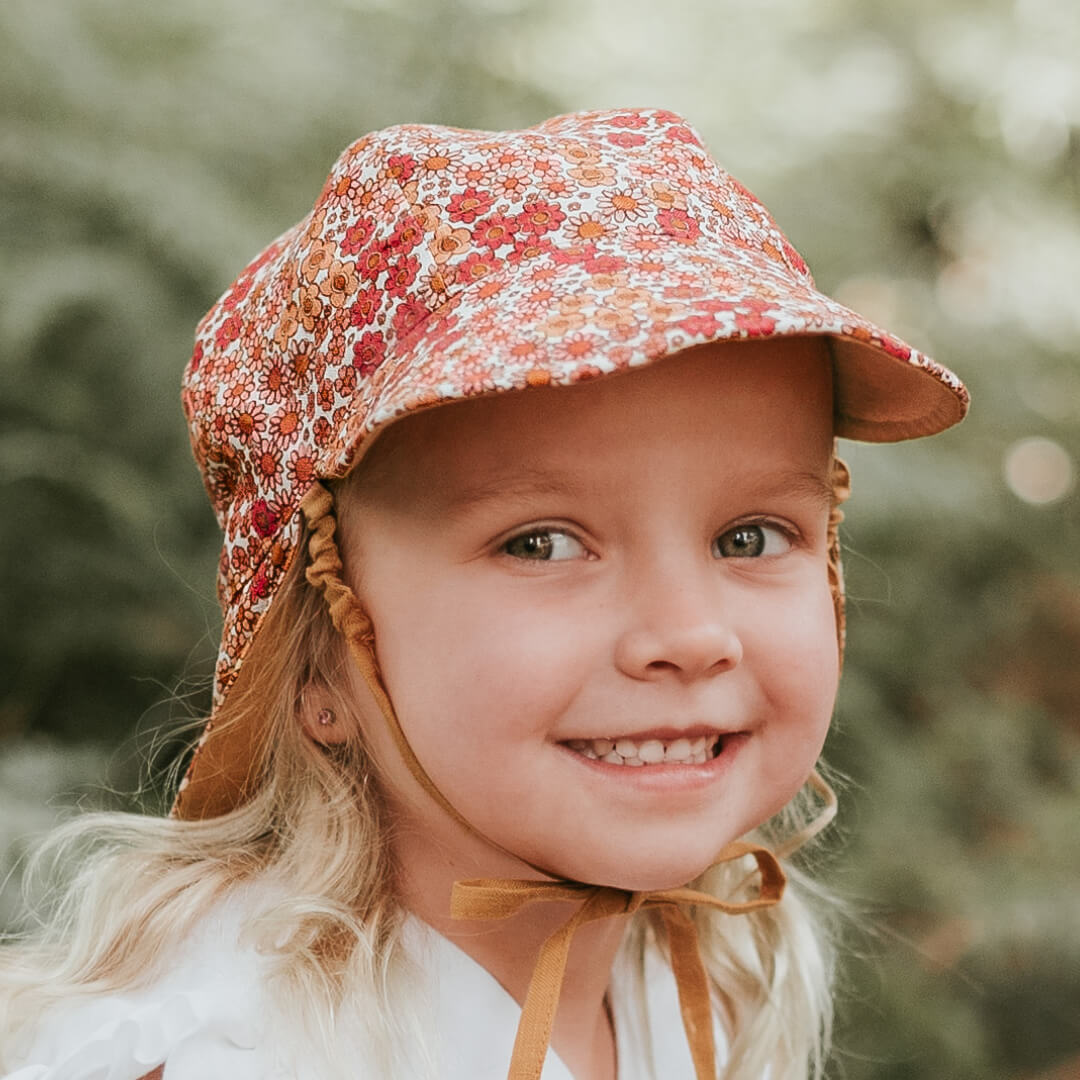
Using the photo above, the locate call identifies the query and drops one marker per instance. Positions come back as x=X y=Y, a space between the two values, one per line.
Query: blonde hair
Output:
x=317 y=822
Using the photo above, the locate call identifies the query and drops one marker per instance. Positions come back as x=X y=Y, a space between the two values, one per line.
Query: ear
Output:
x=322 y=723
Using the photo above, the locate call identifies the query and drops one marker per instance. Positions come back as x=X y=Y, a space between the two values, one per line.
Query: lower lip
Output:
x=667 y=778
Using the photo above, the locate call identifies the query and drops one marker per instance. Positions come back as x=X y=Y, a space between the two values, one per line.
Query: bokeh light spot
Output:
x=1039 y=470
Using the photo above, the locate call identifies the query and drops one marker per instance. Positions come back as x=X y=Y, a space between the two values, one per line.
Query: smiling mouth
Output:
x=645 y=752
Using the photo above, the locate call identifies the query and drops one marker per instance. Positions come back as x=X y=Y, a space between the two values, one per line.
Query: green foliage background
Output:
x=924 y=156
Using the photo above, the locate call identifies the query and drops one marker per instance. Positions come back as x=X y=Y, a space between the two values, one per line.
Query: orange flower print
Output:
x=310 y=306
x=300 y=468
x=319 y=257
x=268 y=465
x=593 y=175
x=678 y=224
x=326 y=395
x=285 y=425
x=540 y=217
x=357 y=235
x=576 y=346
x=247 y=422
x=578 y=154
x=340 y=282
x=448 y=242
x=560 y=325
x=345 y=383
x=433 y=287
x=468 y=205
x=287 y=326
x=623 y=204
x=556 y=187
x=585 y=227
x=667 y=197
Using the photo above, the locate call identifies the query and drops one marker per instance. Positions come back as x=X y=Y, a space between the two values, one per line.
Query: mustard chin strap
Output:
x=841 y=491
x=501 y=898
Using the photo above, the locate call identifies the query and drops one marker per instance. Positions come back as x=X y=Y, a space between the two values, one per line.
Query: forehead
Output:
x=749 y=407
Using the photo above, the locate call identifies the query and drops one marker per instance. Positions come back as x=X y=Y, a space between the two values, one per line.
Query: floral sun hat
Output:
x=439 y=264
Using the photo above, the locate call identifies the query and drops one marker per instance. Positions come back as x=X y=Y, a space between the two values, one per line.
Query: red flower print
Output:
x=196 y=357
x=322 y=431
x=409 y=233
x=228 y=331
x=468 y=205
x=401 y=274
x=365 y=307
x=755 y=325
x=264 y=520
x=492 y=232
x=474 y=267
x=681 y=133
x=678 y=224
x=529 y=247
x=605 y=264
x=357 y=235
x=369 y=352
x=371 y=264
x=400 y=166
x=408 y=316
x=260 y=584
x=694 y=325
x=237 y=293
x=345 y=383
x=894 y=347
x=540 y=217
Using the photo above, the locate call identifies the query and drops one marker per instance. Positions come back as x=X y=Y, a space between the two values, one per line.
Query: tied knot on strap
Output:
x=484 y=898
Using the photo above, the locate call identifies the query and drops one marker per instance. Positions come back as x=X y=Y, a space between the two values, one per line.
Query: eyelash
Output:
x=786 y=532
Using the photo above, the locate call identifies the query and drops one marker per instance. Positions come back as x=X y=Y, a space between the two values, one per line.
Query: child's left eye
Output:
x=751 y=541
x=544 y=545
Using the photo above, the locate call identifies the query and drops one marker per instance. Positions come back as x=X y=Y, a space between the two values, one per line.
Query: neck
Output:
x=507 y=948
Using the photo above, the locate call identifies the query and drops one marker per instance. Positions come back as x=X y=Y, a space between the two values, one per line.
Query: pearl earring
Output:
x=326 y=718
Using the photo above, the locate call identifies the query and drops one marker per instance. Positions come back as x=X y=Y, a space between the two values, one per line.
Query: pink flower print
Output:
x=246 y=423
x=556 y=187
x=626 y=139
x=433 y=288
x=468 y=205
x=268 y=464
x=666 y=197
x=755 y=325
x=528 y=247
x=301 y=468
x=699 y=325
x=678 y=224
x=578 y=154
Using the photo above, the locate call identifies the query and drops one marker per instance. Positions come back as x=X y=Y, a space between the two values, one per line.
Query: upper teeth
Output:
x=647 y=751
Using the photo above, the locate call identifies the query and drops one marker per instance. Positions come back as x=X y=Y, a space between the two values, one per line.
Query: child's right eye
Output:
x=544 y=545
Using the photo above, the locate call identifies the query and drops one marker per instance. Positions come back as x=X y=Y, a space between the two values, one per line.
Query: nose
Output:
x=680 y=631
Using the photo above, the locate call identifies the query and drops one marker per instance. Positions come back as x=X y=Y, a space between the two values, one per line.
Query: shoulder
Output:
x=204 y=1015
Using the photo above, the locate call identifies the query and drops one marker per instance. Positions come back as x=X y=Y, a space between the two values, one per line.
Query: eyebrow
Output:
x=805 y=485
x=524 y=483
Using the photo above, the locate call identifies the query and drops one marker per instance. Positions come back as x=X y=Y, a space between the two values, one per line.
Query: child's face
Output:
x=642 y=558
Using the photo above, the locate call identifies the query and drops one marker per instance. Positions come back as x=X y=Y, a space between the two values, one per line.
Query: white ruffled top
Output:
x=210 y=1018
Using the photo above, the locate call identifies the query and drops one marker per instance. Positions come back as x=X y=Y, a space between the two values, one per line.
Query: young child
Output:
x=525 y=668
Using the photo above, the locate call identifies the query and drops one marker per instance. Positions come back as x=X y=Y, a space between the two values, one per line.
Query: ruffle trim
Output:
x=199 y=1035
